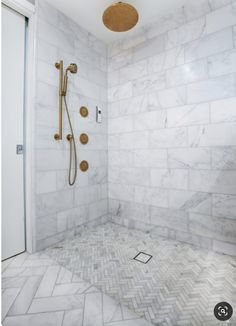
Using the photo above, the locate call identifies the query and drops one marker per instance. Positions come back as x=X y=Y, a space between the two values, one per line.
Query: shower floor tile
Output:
x=180 y=285
x=37 y=291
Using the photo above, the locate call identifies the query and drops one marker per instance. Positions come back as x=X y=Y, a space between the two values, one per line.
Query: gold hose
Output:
x=71 y=139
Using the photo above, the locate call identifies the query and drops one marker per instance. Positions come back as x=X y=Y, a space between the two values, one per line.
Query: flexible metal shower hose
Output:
x=72 y=146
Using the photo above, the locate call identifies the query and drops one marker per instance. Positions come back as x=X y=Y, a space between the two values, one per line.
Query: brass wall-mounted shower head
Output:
x=72 y=68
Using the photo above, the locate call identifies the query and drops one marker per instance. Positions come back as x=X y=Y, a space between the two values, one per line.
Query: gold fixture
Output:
x=120 y=17
x=62 y=95
x=84 y=166
x=83 y=138
x=83 y=111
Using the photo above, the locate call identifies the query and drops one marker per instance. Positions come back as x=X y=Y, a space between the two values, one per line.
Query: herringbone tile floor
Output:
x=36 y=291
x=180 y=285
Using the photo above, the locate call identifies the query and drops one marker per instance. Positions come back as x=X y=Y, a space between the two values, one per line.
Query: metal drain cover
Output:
x=143 y=257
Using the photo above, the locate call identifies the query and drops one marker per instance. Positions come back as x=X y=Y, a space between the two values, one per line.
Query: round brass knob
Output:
x=84 y=166
x=83 y=111
x=84 y=138
x=69 y=137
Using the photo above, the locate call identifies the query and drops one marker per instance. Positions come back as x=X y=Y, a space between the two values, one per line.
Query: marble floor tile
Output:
x=36 y=291
x=180 y=285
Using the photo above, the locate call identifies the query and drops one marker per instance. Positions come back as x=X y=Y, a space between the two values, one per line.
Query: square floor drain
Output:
x=142 y=257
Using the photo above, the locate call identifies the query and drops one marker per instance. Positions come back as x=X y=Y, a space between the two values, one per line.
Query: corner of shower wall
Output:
x=62 y=211
x=172 y=129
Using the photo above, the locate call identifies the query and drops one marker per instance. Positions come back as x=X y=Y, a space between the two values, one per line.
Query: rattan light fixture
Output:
x=120 y=17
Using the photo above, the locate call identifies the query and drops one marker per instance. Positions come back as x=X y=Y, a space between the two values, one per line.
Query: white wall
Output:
x=172 y=126
x=61 y=209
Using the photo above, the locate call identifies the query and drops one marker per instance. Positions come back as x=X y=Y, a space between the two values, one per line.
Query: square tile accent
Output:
x=143 y=257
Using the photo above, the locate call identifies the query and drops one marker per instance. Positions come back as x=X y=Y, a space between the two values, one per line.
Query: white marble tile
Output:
x=53 y=202
x=166 y=60
x=195 y=9
x=172 y=218
x=47 y=52
x=224 y=247
x=120 y=158
x=221 y=18
x=49 y=319
x=165 y=23
x=149 y=48
x=47 y=13
x=73 y=318
x=48 y=282
x=121 y=192
x=133 y=71
x=215 y=4
x=47 y=73
x=46 y=182
x=206 y=135
x=135 y=176
x=111 y=310
x=121 y=60
x=193 y=158
x=162 y=178
x=147 y=158
x=209 y=45
x=151 y=196
x=8 y=298
x=222 y=64
x=224 y=158
x=120 y=124
x=93 y=310
x=188 y=115
x=46 y=226
x=24 y=298
x=186 y=33
x=64 y=276
x=190 y=201
x=98 y=209
x=222 y=182
x=120 y=92
x=133 y=322
x=224 y=206
x=223 y=110
x=172 y=97
x=168 y=138
x=211 y=89
x=67 y=302
x=187 y=73
x=148 y=84
x=70 y=288
x=150 y=120
x=142 y=103
x=213 y=227
x=134 y=140
x=234 y=35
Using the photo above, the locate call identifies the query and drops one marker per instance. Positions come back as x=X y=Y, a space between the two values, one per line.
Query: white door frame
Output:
x=28 y=10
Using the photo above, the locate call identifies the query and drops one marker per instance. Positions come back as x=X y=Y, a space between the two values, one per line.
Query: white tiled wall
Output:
x=61 y=209
x=172 y=126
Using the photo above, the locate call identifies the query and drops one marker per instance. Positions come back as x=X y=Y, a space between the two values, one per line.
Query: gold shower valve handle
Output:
x=69 y=137
x=83 y=111
x=84 y=139
x=57 y=137
x=84 y=166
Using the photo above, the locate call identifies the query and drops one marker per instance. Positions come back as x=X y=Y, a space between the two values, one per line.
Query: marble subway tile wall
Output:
x=172 y=126
x=60 y=209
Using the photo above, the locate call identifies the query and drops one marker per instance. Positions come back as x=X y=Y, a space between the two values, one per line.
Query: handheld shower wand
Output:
x=70 y=137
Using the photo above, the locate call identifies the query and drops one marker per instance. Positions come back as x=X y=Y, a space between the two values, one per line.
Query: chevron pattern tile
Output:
x=36 y=291
x=179 y=286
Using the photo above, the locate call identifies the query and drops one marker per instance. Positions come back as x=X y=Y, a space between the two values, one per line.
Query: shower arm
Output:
x=59 y=66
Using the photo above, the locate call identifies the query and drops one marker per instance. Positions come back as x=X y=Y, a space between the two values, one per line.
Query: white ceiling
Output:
x=88 y=13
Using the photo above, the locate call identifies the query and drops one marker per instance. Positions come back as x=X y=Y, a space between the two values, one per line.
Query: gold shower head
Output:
x=72 y=68
x=120 y=17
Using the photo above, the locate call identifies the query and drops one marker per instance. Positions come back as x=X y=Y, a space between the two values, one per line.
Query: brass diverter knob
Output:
x=83 y=111
x=84 y=138
x=84 y=166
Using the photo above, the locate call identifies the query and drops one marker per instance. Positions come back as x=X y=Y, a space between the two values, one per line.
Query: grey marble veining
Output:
x=61 y=209
x=172 y=114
